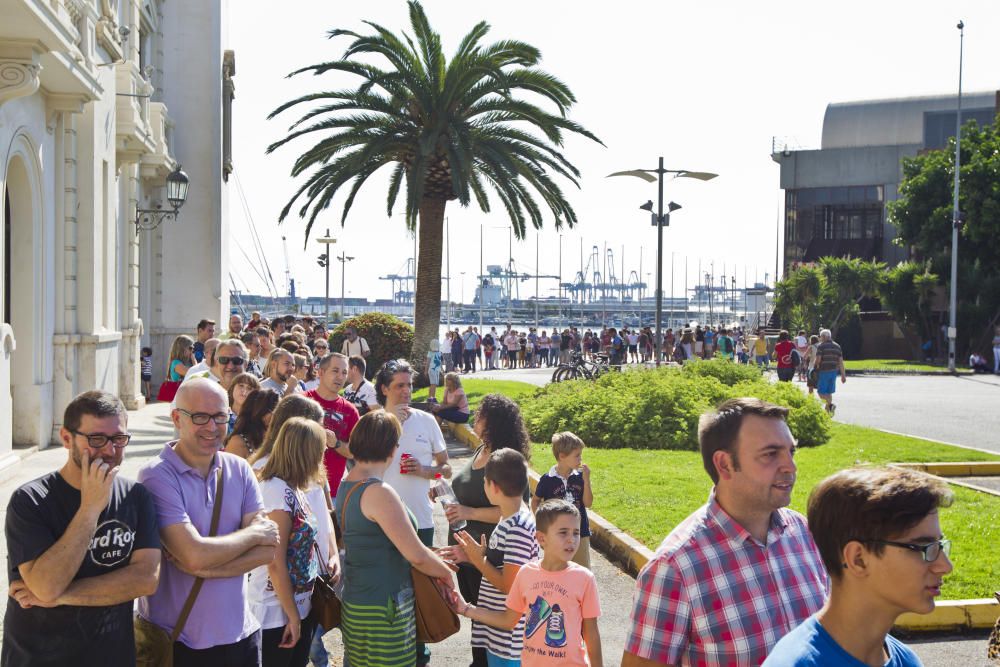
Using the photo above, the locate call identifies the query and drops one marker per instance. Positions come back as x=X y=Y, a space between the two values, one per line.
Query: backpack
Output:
x=796 y=358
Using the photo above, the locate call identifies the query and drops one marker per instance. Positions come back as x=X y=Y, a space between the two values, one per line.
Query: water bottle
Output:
x=443 y=492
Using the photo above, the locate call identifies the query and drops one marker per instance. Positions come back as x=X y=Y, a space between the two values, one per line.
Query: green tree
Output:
x=451 y=129
x=827 y=294
x=907 y=293
x=923 y=217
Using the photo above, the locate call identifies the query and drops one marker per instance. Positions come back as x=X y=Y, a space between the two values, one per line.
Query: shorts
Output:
x=827 y=383
x=146 y=377
x=434 y=377
x=786 y=374
x=698 y=347
x=633 y=349
x=496 y=661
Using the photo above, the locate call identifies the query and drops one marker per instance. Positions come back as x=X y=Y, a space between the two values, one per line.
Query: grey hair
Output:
x=825 y=334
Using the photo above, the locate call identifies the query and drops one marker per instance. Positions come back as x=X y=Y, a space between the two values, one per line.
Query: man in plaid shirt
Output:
x=741 y=572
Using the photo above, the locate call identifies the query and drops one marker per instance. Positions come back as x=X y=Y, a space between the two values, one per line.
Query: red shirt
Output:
x=783 y=351
x=339 y=416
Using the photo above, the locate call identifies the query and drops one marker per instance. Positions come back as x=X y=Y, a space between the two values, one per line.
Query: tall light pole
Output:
x=660 y=221
x=324 y=261
x=956 y=215
x=343 y=258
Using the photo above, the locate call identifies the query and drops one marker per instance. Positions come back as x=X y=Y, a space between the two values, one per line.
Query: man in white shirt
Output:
x=200 y=368
x=355 y=345
x=359 y=390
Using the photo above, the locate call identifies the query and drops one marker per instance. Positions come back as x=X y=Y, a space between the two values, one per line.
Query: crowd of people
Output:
x=279 y=474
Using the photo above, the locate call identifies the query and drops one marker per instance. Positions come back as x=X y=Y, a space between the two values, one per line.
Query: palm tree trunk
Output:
x=427 y=315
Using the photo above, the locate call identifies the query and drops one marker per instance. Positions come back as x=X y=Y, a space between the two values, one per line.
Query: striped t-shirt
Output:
x=511 y=543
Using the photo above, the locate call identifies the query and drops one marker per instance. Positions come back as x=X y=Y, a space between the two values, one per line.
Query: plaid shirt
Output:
x=713 y=596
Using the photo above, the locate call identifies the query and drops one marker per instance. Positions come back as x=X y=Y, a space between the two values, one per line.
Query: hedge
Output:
x=388 y=338
x=660 y=408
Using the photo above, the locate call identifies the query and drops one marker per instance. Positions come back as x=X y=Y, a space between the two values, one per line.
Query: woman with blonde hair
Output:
x=455 y=406
x=281 y=592
x=381 y=545
x=180 y=359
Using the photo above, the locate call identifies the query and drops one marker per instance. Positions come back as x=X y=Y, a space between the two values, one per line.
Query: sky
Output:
x=707 y=86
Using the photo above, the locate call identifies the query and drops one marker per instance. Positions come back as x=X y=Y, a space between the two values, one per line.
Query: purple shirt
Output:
x=182 y=495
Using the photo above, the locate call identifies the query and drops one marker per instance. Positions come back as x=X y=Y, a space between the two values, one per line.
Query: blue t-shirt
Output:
x=810 y=645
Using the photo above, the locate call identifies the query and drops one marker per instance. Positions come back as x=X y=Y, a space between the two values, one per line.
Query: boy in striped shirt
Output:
x=511 y=545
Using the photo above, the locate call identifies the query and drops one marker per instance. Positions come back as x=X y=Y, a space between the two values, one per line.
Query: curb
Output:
x=630 y=555
x=956 y=469
x=888 y=373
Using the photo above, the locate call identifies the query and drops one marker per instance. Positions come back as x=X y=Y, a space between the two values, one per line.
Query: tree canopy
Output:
x=448 y=128
x=923 y=217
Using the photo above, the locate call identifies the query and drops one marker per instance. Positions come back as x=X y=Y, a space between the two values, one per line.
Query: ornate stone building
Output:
x=100 y=100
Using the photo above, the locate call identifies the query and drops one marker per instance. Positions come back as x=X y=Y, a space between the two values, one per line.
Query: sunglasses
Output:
x=236 y=361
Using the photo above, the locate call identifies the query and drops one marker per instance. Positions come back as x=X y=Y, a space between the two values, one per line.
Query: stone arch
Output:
x=23 y=277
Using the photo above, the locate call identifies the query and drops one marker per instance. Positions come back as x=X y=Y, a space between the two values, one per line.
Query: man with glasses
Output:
x=742 y=571
x=82 y=544
x=228 y=359
x=221 y=631
x=879 y=534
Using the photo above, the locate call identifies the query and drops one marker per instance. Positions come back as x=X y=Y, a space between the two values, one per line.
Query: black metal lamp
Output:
x=177 y=189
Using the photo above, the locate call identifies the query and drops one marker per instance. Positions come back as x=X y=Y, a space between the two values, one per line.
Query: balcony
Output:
x=133 y=135
x=156 y=164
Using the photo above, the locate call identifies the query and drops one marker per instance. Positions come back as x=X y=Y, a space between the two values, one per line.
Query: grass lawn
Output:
x=898 y=366
x=647 y=493
x=476 y=389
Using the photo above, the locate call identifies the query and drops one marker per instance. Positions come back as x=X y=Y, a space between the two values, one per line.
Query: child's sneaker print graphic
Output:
x=538 y=613
x=555 y=633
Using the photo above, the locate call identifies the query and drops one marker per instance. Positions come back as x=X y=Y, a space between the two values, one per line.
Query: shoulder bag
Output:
x=154 y=647
x=326 y=605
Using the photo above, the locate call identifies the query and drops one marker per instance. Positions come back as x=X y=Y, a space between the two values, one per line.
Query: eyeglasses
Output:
x=100 y=441
x=236 y=361
x=202 y=418
x=929 y=552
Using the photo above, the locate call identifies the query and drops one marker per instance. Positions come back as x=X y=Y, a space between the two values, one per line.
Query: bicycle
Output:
x=581 y=368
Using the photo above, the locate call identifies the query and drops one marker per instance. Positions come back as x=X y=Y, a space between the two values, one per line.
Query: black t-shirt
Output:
x=551 y=486
x=564 y=341
x=37 y=516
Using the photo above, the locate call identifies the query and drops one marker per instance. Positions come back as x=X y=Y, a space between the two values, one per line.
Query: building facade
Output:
x=836 y=196
x=99 y=101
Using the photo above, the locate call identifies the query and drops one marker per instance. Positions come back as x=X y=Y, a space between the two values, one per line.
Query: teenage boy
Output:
x=557 y=598
x=511 y=545
x=878 y=532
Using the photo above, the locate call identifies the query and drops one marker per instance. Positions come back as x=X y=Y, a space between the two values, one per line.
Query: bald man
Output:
x=185 y=482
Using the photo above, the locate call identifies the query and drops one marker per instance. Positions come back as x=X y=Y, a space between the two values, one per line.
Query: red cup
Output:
x=402 y=461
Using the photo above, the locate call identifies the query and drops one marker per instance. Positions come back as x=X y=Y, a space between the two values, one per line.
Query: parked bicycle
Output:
x=582 y=368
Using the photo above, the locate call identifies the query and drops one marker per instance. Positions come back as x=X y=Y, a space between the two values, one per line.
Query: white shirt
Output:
x=263 y=600
x=198 y=370
x=801 y=342
x=355 y=349
x=365 y=395
x=421 y=439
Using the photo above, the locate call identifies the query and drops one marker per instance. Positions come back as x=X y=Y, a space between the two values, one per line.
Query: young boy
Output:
x=569 y=480
x=878 y=532
x=146 y=372
x=511 y=545
x=556 y=599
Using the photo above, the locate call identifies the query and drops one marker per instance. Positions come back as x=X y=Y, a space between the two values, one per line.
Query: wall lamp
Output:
x=148 y=219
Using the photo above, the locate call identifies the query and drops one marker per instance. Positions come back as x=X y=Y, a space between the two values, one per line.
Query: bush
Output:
x=660 y=408
x=388 y=337
x=723 y=370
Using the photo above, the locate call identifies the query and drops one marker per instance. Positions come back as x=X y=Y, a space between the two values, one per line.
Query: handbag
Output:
x=327 y=609
x=154 y=647
x=168 y=389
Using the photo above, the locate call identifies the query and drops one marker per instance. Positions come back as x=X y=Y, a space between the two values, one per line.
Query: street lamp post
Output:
x=956 y=215
x=343 y=258
x=324 y=261
x=660 y=221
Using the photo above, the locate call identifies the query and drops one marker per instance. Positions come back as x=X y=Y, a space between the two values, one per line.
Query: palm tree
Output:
x=450 y=129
